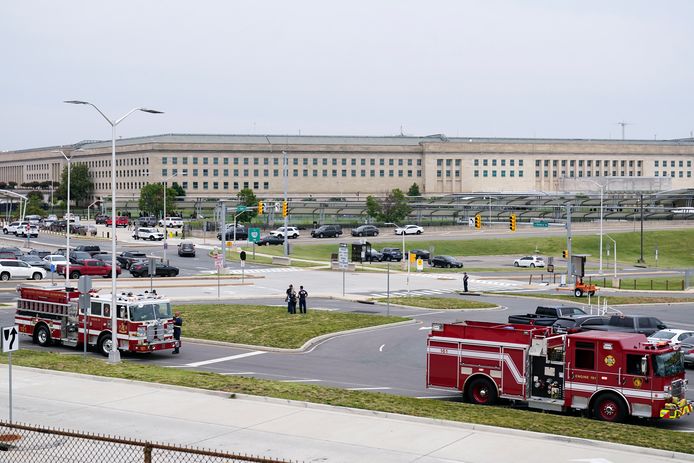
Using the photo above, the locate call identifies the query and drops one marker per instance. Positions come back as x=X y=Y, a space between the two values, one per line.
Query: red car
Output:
x=92 y=267
x=121 y=221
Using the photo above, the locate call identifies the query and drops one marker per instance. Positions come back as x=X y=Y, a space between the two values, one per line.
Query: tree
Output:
x=414 y=190
x=81 y=185
x=178 y=189
x=392 y=208
x=249 y=199
x=152 y=199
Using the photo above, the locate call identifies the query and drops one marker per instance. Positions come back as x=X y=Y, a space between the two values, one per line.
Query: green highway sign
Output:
x=241 y=208
x=253 y=235
x=541 y=224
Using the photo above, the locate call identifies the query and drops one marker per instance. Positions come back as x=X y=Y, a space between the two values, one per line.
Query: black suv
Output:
x=91 y=249
x=391 y=254
x=147 y=221
x=365 y=230
x=127 y=258
x=331 y=231
x=241 y=233
x=101 y=219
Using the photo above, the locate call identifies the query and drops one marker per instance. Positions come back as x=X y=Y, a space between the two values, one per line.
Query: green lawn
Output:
x=639 y=435
x=269 y=326
x=611 y=300
x=442 y=303
x=675 y=247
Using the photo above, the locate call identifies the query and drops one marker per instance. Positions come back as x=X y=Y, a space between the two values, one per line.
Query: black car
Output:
x=241 y=233
x=446 y=261
x=101 y=218
x=327 y=231
x=186 y=248
x=79 y=256
x=33 y=260
x=127 y=258
x=104 y=257
x=578 y=323
x=420 y=254
x=147 y=221
x=41 y=254
x=391 y=254
x=141 y=269
x=91 y=249
x=365 y=230
x=270 y=240
x=373 y=256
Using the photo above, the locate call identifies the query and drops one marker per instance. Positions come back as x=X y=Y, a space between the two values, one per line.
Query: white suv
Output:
x=12 y=227
x=292 y=232
x=10 y=268
x=529 y=261
x=171 y=222
x=31 y=230
x=146 y=233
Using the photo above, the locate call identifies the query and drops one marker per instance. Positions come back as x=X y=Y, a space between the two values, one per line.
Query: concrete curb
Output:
x=385 y=415
x=583 y=303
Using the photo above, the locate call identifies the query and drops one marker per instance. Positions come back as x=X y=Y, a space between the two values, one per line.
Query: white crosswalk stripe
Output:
x=476 y=285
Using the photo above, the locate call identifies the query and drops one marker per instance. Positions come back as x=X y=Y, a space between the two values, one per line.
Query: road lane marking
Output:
x=424 y=328
x=301 y=380
x=437 y=397
x=225 y=359
x=367 y=388
x=238 y=373
x=380 y=349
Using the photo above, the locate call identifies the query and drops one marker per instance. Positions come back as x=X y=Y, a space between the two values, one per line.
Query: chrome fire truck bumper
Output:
x=676 y=409
x=152 y=346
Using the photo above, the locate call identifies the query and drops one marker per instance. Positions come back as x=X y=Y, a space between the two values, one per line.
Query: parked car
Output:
x=29 y=230
x=292 y=232
x=121 y=221
x=104 y=257
x=241 y=233
x=373 y=256
x=13 y=268
x=171 y=222
x=529 y=261
x=687 y=348
x=546 y=315
x=101 y=219
x=186 y=249
x=53 y=259
x=420 y=254
x=409 y=230
x=13 y=250
x=270 y=240
x=12 y=227
x=632 y=324
x=365 y=230
x=146 y=233
x=36 y=252
x=141 y=269
x=127 y=258
x=392 y=254
x=576 y=323
x=90 y=248
x=149 y=221
x=33 y=260
x=672 y=336
x=330 y=231
x=446 y=261
x=92 y=267
x=33 y=219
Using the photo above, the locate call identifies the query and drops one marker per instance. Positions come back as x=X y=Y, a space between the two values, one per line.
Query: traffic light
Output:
x=284 y=208
x=478 y=221
x=565 y=253
x=261 y=207
x=512 y=222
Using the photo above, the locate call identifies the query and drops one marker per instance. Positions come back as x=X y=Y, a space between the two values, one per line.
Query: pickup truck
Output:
x=631 y=324
x=546 y=315
x=91 y=267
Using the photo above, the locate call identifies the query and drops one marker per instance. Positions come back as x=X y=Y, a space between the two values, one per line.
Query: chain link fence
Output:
x=29 y=444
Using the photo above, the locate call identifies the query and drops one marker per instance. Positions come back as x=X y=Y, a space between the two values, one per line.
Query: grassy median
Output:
x=639 y=435
x=440 y=303
x=269 y=326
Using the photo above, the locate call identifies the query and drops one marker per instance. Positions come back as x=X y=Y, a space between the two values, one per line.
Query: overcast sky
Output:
x=492 y=68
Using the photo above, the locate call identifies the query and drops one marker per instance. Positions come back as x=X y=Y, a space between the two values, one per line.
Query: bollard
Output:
x=530 y=281
x=651 y=285
x=634 y=283
x=666 y=285
x=108 y=234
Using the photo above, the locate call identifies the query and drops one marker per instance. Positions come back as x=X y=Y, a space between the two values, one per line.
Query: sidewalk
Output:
x=284 y=429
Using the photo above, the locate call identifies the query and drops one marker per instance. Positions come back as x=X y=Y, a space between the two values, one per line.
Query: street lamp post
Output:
x=602 y=191
x=67 y=216
x=403 y=253
x=113 y=355
x=614 y=243
x=166 y=233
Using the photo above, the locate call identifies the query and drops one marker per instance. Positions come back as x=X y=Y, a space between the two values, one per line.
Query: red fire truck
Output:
x=607 y=375
x=144 y=321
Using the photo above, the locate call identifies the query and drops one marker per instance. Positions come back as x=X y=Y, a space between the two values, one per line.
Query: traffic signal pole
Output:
x=285 y=172
x=569 y=270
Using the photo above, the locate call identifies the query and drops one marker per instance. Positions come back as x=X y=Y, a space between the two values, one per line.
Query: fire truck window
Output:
x=107 y=310
x=122 y=311
x=96 y=308
x=585 y=355
x=634 y=365
x=555 y=354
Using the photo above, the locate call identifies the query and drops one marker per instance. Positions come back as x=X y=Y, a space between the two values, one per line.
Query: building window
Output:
x=185 y=160
x=344 y=172
x=215 y=185
x=215 y=161
x=325 y=172
x=164 y=160
x=476 y=173
x=236 y=163
x=184 y=184
x=184 y=172
x=195 y=160
x=419 y=173
x=409 y=173
x=334 y=172
x=503 y=173
x=205 y=172
x=226 y=163
x=164 y=173
x=537 y=173
x=363 y=173
x=520 y=172
x=226 y=172
x=511 y=173
x=511 y=162
x=255 y=185
x=485 y=173
x=215 y=173
x=236 y=185
x=266 y=185
x=476 y=162
x=226 y=185
x=245 y=184
x=438 y=173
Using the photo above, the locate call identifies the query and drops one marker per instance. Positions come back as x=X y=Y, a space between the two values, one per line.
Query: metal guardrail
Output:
x=29 y=444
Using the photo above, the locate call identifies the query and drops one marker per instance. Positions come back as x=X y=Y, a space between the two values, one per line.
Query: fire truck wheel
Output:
x=42 y=336
x=4 y=276
x=609 y=407
x=105 y=344
x=481 y=391
x=578 y=292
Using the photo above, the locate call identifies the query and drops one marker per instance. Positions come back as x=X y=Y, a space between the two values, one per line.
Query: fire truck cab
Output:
x=144 y=321
x=607 y=375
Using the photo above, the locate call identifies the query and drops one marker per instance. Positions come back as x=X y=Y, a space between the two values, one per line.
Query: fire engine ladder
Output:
x=70 y=326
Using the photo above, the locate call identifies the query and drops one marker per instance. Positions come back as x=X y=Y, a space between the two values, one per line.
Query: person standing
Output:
x=291 y=300
x=465 y=278
x=178 y=323
x=303 y=294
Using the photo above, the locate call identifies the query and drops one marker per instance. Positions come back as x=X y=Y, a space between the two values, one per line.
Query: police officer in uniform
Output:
x=178 y=323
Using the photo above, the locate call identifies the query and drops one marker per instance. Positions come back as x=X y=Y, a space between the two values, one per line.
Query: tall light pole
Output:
x=285 y=173
x=602 y=190
x=403 y=256
x=113 y=355
x=67 y=216
x=166 y=233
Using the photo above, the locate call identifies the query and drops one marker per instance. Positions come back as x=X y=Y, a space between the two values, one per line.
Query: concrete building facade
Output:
x=221 y=165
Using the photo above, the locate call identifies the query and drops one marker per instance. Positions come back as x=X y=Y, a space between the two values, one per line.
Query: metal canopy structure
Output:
x=23 y=200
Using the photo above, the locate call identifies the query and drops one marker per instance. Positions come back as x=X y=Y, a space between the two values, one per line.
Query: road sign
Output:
x=541 y=224
x=218 y=262
x=253 y=235
x=10 y=343
x=343 y=256
x=241 y=208
x=420 y=264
